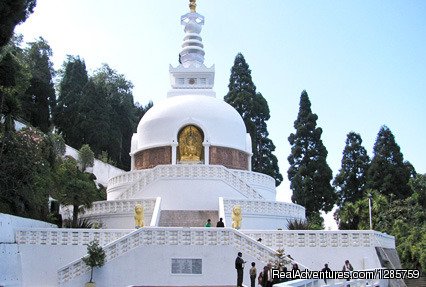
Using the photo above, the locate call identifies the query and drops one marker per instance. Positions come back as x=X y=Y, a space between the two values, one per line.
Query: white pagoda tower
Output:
x=191 y=157
x=190 y=162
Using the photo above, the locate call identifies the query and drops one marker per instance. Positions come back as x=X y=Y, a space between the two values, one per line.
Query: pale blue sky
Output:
x=363 y=63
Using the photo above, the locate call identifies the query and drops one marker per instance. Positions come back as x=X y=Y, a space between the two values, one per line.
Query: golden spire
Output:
x=192 y=5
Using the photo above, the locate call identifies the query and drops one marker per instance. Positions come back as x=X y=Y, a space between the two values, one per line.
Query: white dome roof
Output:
x=220 y=123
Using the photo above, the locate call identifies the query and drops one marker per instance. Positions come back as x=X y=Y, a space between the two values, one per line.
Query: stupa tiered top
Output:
x=192 y=48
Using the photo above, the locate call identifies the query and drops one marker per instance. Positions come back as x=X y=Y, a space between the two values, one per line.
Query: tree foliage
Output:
x=67 y=115
x=74 y=187
x=403 y=218
x=254 y=110
x=86 y=157
x=97 y=110
x=388 y=173
x=12 y=13
x=309 y=173
x=95 y=257
x=351 y=181
x=14 y=81
x=26 y=173
x=40 y=98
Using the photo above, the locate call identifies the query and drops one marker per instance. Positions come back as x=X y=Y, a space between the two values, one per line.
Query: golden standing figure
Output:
x=236 y=217
x=192 y=5
x=139 y=216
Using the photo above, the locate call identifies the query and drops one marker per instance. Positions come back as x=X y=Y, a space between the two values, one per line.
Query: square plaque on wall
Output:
x=187 y=266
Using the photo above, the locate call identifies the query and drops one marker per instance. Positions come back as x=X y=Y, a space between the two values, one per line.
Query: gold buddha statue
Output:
x=190 y=144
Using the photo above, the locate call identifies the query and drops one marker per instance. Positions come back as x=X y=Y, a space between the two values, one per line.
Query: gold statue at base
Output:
x=139 y=216
x=236 y=217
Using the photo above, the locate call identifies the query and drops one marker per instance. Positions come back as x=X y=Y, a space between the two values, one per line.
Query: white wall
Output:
x=10 y=255
x=260 y=222
x=101 y=170
x=151 y=266
x=40 y=263
x=119 y=221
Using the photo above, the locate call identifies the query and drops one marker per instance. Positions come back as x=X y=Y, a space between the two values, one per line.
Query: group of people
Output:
x=218 y=224
x=265 y=278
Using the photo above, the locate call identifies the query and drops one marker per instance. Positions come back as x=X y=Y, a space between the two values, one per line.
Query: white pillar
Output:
x=132 y=161
x=249 y=162
x=206 y=145
x=174 y=152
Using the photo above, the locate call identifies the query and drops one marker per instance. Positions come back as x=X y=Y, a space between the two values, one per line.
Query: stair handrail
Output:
x=158 y=172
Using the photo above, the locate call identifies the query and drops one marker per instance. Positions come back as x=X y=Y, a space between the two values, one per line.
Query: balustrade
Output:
x=266 y=207
x=119 y=206
x=299 y=238
x=186 y=172
x=59 y=236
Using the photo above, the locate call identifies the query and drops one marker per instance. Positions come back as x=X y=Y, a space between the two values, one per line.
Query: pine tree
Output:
x=351 y=181
x=388 y=173
x=309 y=173
x=39 y=99
x=66 y=114
x=254 y=110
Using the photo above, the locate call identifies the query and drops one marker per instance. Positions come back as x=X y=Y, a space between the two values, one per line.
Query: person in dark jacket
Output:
x=239 y=265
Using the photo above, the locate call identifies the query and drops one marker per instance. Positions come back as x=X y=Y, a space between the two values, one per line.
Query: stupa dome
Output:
x=220 y=123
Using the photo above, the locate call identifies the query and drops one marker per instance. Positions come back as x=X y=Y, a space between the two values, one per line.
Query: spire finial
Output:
x=192 y=5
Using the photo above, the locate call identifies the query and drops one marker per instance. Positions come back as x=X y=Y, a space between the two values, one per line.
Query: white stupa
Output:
x=191 y=157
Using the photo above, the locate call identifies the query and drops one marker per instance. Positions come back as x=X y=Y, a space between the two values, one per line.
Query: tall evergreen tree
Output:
x=109 y=115
x=351 y=181
x=254 y=110
x=309 y=173
x=12 y=13
x=14 y=81
x=66 y=114
x=388 y=173
x=40 y=99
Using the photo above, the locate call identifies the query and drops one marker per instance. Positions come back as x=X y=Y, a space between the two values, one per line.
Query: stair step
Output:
x=187 y=218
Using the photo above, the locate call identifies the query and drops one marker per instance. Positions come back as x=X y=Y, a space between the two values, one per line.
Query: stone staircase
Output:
x=187 y=218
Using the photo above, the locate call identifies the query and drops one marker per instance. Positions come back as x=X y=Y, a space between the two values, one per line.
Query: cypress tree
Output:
x=39 y=99
x=388 y=173
x=74 y=78
x=351 y=181
x=309 y=173
x=254 y=110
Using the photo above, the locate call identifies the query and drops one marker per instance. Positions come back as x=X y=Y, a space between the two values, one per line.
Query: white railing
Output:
x=249 y=177
x=215 y=172
x=177 y=236
x=62 y=236
x=385 y=240
x=320 y=238
x=126 y=178
x=263 y=207
x=255 y=178
x=119 y=206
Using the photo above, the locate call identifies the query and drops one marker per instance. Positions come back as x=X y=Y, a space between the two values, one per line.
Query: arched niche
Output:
x=190 y=145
